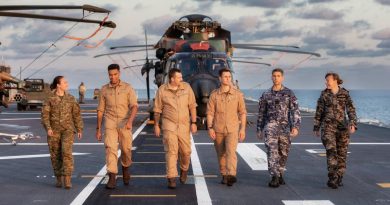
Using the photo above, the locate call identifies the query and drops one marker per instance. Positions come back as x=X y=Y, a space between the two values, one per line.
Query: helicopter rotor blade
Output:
x=279 y=50
x=247 y=57
x=132 y=66
x=267 y=45
x=119 y=52
x=109 y=24
x=132 y=46
x=251 y=62
x=85 y=7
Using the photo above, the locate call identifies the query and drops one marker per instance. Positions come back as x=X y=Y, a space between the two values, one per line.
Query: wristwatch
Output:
x=193 y=122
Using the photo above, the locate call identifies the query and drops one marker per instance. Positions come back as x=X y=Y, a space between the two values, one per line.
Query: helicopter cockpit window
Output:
x=187 y=66
x=214 y=65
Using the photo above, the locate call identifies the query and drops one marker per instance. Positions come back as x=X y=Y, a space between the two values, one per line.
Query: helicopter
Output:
x=32 y=94
x=199 y=47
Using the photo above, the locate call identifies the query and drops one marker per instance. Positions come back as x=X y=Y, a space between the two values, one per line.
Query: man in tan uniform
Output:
x=175 y=101
x=118 y=103
x=224 y=110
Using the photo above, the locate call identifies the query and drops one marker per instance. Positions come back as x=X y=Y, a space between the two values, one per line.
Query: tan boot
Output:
x=67 y=182
x=111 y=184
x=59 y=181
x=126 y=175
x=183 y=176
x=172 y=183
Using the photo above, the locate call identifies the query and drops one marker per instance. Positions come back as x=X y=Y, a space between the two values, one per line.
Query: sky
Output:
x=352 y=36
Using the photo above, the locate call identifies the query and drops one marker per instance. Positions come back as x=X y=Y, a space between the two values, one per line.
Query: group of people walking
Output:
x=175 y=118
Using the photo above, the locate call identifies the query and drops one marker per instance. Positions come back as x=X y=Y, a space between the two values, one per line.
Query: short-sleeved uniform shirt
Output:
x=115 y=102
x=175 y=106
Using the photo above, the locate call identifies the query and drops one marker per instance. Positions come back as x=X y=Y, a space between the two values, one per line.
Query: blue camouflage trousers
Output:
x=277 y=142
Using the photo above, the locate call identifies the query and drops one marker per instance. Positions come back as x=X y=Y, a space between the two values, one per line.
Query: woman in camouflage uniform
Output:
x=61 y=118
x=332 y=107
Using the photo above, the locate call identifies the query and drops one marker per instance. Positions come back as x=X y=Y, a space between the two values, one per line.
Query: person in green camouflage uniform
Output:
x=332 y=107
x=61 y=117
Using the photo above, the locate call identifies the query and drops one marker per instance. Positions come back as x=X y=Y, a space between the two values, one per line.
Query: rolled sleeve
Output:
x=241 y=105
x=102 y=101
x=132 y=98
x=157 y=108
x=191 y=99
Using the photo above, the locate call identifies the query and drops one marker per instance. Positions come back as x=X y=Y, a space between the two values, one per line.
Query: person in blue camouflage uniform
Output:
x=279 y=120
x=332 y=107
x=61 y=118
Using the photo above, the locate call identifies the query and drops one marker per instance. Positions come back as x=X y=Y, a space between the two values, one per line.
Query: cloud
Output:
x=358 y=53
x=384 y=2
x=321 y=1
x=271 y=12
x=384 y=44
x=318 y=13
x=124 y=41
x=336 y=28
x=7 y=22
x=242 y=24
x=383 y=34
x=189 y=7
x=257 y=3
x=158 y=25
x=361 y=25
x=138 y=6
x=317 y=42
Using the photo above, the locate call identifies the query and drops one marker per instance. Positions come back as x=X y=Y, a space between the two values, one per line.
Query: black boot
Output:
x=224 y=179
x=126 y=175
x=172 y=183
x=281 y=180
x=332 y=182
x=231 y=180
x=274 y=183
x=111 y=184
x=340 y=181
x=183 y=176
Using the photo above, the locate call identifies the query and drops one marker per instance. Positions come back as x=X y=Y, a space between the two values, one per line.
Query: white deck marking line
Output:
x=151 y=176
x=307 y=202
x=35 y=156
x=253 y=156
x=45 y=143
x=307 y=143
x=316 y=151
x=84 y=194
x=143 y=195
x=36 y=118
x=37 y=113
x=201 y=143
x=202 y=192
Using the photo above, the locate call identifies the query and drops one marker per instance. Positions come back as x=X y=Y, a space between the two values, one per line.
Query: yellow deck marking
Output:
x=142 y=195
x=322 y=155
x=384 y=185
x=88 y=111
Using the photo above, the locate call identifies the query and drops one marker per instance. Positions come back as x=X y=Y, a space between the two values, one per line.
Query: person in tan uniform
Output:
x=61 y=118
x=175 y=101
x=118 y=104
x=225 y=110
